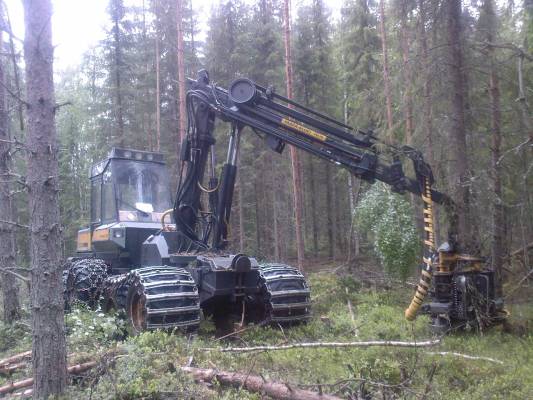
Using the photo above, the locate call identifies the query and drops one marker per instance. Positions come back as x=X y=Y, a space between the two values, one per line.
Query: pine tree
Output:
x=10 y=293
x=49 y=353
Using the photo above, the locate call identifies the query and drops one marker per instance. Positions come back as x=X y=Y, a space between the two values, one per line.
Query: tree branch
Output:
x=14 y=224
x=467 y=356
x=59 y=105
x=372 y=343
x=15 y=274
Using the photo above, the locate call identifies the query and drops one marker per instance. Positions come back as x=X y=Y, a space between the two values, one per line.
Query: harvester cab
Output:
x=130 y=191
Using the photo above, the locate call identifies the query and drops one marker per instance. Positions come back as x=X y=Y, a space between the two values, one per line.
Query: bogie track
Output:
x=156 y=298
x=285 y=293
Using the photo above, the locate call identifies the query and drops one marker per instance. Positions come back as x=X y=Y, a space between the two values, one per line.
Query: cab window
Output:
x=109 y=209
x=96 y=199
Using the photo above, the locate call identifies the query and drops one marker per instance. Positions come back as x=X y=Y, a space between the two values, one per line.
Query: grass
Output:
x=150 y=369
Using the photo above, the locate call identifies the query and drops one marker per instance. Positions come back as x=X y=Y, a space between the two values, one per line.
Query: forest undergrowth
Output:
x=147 y=366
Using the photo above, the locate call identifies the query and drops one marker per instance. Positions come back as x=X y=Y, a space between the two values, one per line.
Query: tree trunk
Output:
x=458 y=148
x=427 y=115
x=181 y=73
x=330 y=212
x=7 y=234
x=118 y=85
x=46 y=293
x=295 y=164
x=386 y=82
x=497 y=206
x=313 y=205
x=157 y=80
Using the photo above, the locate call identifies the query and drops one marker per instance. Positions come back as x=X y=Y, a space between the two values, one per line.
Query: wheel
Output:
x=84 y=281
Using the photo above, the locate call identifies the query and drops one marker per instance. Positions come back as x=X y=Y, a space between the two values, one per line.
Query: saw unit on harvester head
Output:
x=164 y=265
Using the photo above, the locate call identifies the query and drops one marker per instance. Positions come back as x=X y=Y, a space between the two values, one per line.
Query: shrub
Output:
x=388 y=217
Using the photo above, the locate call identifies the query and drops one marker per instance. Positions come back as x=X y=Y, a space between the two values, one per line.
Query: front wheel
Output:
x=84 y=281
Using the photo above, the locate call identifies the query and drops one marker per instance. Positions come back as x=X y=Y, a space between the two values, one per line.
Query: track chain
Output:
x=83 y=281
x=155 y=298
x=286 y=293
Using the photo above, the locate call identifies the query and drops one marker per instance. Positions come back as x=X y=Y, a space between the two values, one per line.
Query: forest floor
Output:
x=148 y=366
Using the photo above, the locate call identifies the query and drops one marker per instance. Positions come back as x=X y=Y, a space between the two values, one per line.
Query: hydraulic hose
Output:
x=429 y=252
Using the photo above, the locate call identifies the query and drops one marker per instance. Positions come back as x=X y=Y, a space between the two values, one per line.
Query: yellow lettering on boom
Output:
x=303 y=129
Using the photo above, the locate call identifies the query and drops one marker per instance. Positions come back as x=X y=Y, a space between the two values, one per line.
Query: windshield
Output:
x=141 y=186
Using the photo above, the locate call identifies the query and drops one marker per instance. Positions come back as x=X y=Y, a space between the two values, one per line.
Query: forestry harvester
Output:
x=164 y=263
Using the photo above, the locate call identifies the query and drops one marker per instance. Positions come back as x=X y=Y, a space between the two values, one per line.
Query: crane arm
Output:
x=281 y=121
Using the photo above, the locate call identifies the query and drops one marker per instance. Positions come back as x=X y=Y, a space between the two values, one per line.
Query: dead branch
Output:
x=16 y=275
x=257 y=384
x=371 y=343
x=14 y=224
x=352 y=316
x=520 y=251
x=59 y=105
x=431 y=374
x=466 y=356
x=519 y=284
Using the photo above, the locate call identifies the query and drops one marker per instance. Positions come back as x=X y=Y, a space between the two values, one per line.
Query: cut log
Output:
x=12 y=386
x=75 y=369
x=9 y=369
x=257 y=384
x=371 y=343
x=16 y=358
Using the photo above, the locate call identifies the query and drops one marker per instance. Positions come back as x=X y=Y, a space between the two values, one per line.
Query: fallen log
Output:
x=16 y=358
x=371 y=343
x=10 y=368
x=24 y=393
x=75 y=369
x=257 y=384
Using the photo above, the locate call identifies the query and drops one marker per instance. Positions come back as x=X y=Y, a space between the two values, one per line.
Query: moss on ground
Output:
x=150 y=369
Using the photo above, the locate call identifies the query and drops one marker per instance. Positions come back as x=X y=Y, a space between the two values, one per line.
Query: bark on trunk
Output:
x=256 y=384
x=48 y=331
x=181 y=73
x=295 y=164
x=157 y=80
x=314 y=216
x=458 y=148
x=118 y=79
x=13 y=57
x=428 y=104
x=329 y=212
x=7 y=233
x=497 y=206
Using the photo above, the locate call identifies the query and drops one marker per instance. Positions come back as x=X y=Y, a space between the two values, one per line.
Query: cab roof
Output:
x=126 y=154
